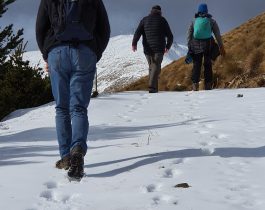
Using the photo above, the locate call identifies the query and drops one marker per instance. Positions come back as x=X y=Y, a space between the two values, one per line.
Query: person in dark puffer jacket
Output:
x=157 y=40
x=200 y=48
x=71 y=59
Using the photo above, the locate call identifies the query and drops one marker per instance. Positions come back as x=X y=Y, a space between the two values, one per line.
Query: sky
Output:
x=125 y=15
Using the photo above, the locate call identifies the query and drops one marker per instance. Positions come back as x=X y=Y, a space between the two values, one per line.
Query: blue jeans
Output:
x=72 y=71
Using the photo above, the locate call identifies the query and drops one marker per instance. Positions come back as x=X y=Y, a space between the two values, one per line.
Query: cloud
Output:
x=125 y=14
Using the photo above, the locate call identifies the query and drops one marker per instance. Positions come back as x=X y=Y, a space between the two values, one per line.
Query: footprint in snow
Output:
x=140 y=103
x=3 y=127
x=124 y=117
x=51 y=185
x=207 y=151
x=206 y=143
x=120 y=115
x=60 y=197
x=171 y=173
x=53 y=196
x=178 y=161
x=194 y=106
x=220 y=136
x=164 y=199
x=145 y=97
x=132 y=110
x=152 y=188
x=208 y=126
x=202 y=132
x=47 y=194
x=156 y=200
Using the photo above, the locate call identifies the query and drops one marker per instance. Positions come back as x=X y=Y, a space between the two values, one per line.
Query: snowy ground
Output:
x=119 y=65
x=140 y=147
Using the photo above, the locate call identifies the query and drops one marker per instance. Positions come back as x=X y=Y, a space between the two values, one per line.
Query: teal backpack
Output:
x=202 y=28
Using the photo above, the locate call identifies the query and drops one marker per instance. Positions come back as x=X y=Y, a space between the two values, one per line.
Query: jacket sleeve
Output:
x=138 y=33
x=216 y=32
x=169 y=35
x=190 y=33
x=42 y=26
x=102 y=29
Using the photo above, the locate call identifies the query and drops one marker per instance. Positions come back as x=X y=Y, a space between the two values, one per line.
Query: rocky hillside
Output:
x=243 y=66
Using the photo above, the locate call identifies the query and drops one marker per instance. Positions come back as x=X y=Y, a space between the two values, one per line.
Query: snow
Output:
x=140 y=147
x=119 y=66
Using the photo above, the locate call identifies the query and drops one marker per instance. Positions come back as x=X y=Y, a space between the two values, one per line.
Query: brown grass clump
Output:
x=253 y=62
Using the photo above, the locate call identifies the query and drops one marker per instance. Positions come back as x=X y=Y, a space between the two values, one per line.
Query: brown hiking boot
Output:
x=195 y=86
x=64 y=163
x=76 y=171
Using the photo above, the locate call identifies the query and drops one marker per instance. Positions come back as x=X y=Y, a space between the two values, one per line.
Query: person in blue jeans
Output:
x=71 y=45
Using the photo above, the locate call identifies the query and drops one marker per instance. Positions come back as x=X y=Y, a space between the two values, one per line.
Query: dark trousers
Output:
x=197 y=64
x=154 y=62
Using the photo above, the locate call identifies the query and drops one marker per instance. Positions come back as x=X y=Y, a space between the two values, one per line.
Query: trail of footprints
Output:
x=207 y=148
x=134 y=108
x=53 y=195
x=236 y=187
x=234 y=191
x=203 y=129
x=209 y=139
x=237 y=191
x=160 y=192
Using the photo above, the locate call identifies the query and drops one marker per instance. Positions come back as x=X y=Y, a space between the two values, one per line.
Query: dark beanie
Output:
x=157 y=7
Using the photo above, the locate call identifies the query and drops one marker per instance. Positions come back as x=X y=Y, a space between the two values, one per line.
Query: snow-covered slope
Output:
x=140 y=147
x=119 y=65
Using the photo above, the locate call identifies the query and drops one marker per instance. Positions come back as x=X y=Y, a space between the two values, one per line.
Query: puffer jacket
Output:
x=156 y=34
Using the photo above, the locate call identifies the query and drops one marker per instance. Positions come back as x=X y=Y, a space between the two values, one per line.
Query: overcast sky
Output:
x=125 y=15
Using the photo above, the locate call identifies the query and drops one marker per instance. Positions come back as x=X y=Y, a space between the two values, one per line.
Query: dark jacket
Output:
x=197 y=46
x=93 y=16
x=155 y=30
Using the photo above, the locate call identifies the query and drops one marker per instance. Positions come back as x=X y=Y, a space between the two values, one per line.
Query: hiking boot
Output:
x=195 y=86
x=208 y=86
x=64 y=163
x=76 y=170
x=153 y=91
x=94 y=94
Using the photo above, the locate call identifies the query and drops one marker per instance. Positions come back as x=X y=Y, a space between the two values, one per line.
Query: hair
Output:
x=156 y=7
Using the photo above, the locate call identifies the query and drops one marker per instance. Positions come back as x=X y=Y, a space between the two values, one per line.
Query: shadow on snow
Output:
x=258 y=152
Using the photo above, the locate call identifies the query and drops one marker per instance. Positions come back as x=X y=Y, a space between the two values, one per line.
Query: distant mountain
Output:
x=119 y=66
x=243 y=66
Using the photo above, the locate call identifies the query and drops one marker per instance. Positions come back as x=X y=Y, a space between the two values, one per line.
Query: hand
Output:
x=166 y=50
x=134 y=48
x=46 y=67
x=222 y=51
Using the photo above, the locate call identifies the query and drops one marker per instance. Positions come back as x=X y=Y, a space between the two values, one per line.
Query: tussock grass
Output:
x=253 y=62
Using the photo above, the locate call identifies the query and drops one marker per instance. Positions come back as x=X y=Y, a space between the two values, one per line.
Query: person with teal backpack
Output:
x=202 y=46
